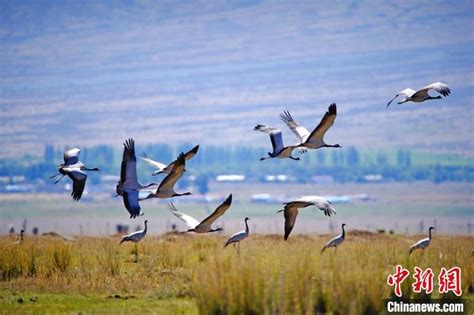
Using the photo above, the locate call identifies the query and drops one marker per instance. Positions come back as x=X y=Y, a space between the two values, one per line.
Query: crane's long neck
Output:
x=343 y=232
x=183 y=194
x=146 y=227
x=91 y=169
x=246 y=227
x=429 y=234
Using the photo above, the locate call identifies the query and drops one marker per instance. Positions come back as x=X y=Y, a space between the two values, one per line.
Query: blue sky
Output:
x=83 y=73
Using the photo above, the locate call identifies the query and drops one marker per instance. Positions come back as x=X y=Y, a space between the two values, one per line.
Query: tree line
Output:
x=343 y=165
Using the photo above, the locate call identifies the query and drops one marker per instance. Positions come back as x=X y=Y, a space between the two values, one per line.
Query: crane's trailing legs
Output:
x=56 y=175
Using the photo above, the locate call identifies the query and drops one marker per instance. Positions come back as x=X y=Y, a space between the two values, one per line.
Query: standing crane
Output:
x=74 y=169
x=335 y=242
x=422 y=244
x=135 y=237
x=20 y=241
x=239 y=236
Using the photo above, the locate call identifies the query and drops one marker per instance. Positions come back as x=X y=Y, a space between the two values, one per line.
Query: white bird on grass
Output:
x=74 y=169
x=279 y=150
x=239 y=236
x=291 y=210
x=135 y=237
x=128 y=186
x=315 y=139
x=335 y=242
x=205 y=225
x=166 y=169
x=422 y=95
x=22 y=232
x=422 y=244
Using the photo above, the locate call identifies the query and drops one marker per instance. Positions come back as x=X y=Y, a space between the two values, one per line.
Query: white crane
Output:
x=279 y=150
x=128 y=186
x=166 y=169
x=291 y=210
x=315 y=139
x=422 y=95
x=166 y=187
x=74 y=169
x=422 y=244
x=205 y=225
x=237 y=237
x=335 y=242
x=135 y=237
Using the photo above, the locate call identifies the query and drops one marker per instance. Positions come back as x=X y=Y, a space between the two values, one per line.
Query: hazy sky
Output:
x=88 y=72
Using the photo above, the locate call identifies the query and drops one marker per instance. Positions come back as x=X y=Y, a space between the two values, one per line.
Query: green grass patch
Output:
x=47 y=303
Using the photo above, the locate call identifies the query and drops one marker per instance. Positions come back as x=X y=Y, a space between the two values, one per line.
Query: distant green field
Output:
x=418 y=158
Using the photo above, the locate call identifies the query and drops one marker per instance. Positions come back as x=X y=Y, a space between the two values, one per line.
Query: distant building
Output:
x=230 y=178
x=373 y=178
x=277 y=178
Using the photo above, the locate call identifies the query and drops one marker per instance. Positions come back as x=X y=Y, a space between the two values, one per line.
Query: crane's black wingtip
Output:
x=195 y=149
x=228 y=201
x=181 y=160
x=286 y=116
x=332 y=109
x=129 y=144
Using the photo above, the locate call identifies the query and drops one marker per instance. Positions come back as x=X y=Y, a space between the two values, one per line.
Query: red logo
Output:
x=397 y=278
x=450 y=280
x=423 y=280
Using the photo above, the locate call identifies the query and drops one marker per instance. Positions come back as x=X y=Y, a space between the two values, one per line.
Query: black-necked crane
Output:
x=422 y=95
x=279 y=150
x=74 y=169
x=315 y=139
x=166 y=187
x=166 y=169
x=135 y=237
x=335 y=242
x=290 y=210
x=237 y=237
x=22 y=232
x=128 y=186
x=205 y=225
x=422 y=244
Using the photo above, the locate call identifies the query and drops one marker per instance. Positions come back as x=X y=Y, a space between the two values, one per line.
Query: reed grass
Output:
x=270 y=276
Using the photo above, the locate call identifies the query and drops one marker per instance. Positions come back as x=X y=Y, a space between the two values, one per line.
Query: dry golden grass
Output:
x=270 y=276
